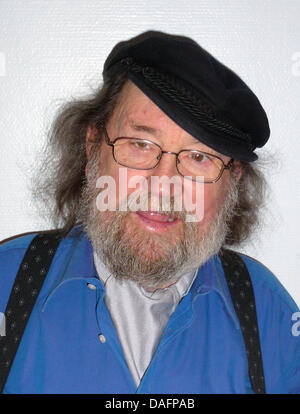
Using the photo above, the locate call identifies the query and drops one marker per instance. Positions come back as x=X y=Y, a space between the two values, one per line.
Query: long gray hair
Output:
x=60 y=178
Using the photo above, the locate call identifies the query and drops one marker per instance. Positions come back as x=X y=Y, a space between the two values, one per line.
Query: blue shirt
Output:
x=201 y=349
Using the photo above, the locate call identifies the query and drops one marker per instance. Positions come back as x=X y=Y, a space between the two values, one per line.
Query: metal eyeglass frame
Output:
x=112 y=144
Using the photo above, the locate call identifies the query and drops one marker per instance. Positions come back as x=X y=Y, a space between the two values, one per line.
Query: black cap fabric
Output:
x=195 y=90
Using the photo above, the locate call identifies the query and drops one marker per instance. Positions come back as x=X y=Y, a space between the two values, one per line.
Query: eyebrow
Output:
x=144 y=128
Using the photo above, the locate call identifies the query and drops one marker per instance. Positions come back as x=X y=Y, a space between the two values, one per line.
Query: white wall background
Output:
x=53 y=50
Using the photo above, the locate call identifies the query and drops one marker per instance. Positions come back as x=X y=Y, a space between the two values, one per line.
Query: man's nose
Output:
x=166 y=174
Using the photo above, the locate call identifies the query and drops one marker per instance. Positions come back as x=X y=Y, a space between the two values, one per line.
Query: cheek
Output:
x=126 y=180
x=214 y=195
x=203 y=200
x=108 y=171
x=107 y=164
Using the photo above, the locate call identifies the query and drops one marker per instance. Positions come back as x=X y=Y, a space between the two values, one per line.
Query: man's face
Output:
x=160 y=248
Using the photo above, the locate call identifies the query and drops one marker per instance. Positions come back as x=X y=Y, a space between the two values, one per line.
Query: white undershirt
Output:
x=139 y=316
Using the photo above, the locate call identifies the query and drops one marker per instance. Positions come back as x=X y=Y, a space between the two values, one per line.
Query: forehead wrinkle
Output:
x=142 y=126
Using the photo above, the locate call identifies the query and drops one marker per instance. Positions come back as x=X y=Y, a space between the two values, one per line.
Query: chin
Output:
x=146 y=241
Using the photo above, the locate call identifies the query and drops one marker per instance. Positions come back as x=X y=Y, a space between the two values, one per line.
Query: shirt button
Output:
x=93 y=287
x=102 y=338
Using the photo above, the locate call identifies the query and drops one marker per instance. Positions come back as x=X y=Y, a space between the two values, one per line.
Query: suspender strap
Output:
x=242 y=295
x=24 y=293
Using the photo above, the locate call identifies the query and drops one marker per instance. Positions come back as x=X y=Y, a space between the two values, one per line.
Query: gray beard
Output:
x=153 y=261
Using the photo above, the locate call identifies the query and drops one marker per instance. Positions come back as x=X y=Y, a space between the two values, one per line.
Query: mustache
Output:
x=147 y=201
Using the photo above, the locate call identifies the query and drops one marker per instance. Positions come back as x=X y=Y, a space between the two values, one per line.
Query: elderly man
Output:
x=134 y=294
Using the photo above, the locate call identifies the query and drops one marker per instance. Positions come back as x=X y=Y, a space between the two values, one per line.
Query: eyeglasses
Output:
x=142 y=154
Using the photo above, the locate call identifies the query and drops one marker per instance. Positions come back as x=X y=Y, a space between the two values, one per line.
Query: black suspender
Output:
x=242 y=295
x=32 y=273
x=27 y=285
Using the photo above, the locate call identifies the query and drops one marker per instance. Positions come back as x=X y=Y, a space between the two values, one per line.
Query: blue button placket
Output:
x=180 y=320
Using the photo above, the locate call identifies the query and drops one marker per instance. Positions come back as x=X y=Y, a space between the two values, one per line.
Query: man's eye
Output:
x=199 y=157
x=140 y=145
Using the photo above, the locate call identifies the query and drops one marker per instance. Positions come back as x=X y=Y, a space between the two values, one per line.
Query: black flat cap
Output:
x=195 y=90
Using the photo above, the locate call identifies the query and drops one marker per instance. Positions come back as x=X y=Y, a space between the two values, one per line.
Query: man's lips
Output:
x=155 y=216
x=155 y=221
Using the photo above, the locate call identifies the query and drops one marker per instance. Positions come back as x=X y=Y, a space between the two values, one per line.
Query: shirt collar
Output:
x=211 y=277
x=79 y=264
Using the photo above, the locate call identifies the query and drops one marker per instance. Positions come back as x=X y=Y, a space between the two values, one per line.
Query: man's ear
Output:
x=90 y=137
x=238 y=169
